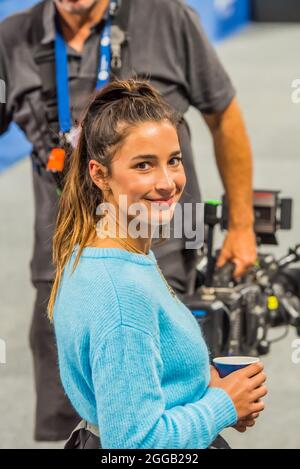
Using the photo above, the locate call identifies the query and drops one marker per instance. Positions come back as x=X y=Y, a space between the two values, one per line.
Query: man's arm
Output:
x=211 y=92
x=234 y=161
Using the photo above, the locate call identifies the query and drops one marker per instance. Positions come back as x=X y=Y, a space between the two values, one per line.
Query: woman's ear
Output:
x=98 y=173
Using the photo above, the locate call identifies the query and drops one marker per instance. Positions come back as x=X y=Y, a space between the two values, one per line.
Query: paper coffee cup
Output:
x=226 y=365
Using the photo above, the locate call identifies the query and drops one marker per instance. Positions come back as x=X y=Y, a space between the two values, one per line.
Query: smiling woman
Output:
x=150 y=183
x=132 y=358
x=135 y=125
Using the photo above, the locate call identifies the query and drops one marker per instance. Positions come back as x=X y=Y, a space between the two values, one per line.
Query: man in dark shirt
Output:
x=165 y=43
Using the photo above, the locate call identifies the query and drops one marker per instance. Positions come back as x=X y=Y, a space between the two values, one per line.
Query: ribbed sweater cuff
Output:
x=221 y=408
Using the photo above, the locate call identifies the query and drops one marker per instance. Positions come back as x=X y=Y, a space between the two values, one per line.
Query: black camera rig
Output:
x=236 y=317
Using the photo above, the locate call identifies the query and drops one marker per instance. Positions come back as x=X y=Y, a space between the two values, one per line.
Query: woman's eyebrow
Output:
x=154 y=157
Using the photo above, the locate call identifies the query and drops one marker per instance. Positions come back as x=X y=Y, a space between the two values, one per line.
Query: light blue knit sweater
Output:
x=132 y=358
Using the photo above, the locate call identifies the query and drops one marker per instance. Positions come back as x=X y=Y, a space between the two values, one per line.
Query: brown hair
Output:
x=121 y=102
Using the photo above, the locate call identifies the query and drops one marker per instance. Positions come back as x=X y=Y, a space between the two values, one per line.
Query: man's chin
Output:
x=76 y=7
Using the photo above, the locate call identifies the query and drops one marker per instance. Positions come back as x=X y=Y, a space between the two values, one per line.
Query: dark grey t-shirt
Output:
x=166 y=44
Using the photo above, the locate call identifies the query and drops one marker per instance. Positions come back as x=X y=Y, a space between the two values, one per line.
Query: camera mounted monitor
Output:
x=271 y=214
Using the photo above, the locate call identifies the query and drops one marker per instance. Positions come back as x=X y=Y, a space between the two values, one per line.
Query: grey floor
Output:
x=263 y=61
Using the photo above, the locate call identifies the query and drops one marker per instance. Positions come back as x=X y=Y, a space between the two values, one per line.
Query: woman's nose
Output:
x=165 y=181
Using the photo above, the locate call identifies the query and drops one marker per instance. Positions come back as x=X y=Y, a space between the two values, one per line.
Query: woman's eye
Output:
x=140 y=165
x=177 y=160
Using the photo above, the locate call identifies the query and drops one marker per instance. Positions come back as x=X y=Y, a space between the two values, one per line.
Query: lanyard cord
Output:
x=61 y=68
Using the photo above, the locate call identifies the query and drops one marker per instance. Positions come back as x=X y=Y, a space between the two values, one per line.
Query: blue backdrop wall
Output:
x=219 y=17
x=13 y=145
x=222 y=17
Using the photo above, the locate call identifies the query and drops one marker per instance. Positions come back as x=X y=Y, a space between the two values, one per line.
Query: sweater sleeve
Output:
x=127 y=370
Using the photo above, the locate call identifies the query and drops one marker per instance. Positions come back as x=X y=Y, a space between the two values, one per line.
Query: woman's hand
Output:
x=245 y=387
x=242 y=425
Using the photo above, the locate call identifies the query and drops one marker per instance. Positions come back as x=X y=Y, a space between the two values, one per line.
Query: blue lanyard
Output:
x=61 y=70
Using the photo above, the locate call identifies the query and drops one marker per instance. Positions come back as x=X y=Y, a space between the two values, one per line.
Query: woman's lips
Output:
x=163 y=202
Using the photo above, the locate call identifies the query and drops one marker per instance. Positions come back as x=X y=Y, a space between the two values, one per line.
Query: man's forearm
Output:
x=234 y=161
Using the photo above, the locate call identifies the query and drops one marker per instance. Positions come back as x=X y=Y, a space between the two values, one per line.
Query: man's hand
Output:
x=234 y=160
x=240 y=248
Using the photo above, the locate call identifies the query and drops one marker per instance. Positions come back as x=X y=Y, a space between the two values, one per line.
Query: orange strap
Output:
x=56 y=159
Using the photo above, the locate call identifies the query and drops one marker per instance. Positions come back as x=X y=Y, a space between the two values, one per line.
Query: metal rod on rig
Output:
x=210 y=258
x=210 y=219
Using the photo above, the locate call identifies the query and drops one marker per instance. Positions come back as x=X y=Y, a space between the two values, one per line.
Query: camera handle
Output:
x=211 y=219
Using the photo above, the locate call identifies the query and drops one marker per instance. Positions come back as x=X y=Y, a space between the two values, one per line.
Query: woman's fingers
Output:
x=250 y=417
x=240 y=427
x=258 y=379
x=250 y=423
x=253 y=369
x=260 y=392
x=258 y=406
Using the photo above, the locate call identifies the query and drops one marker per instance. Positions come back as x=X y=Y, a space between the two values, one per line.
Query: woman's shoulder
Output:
x=117 y=267
x=108 y=289
x=86 y=292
